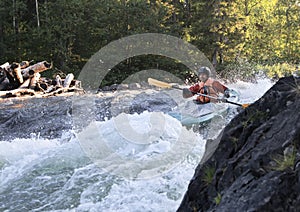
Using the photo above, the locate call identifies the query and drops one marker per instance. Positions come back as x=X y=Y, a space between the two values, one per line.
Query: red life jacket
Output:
x=210 y=87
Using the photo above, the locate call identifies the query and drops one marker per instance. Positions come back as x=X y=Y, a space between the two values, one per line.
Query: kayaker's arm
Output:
x=168 y=85
x=225 y=100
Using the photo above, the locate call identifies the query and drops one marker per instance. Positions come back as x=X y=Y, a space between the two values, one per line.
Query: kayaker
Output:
x=206 y=86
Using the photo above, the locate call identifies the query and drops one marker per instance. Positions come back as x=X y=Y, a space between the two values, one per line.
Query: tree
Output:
x=228 y=29
x=69 y=32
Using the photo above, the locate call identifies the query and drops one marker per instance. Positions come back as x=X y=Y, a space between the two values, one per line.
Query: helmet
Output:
x=204 y=70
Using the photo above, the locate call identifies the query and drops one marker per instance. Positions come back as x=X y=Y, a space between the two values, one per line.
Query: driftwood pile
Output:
x=21 y=79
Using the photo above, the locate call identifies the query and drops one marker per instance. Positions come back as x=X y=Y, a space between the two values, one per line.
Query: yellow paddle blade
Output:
x=245 y=105
x=158 y=83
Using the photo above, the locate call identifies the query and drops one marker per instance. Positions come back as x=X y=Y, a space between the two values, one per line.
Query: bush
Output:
x=278 y=70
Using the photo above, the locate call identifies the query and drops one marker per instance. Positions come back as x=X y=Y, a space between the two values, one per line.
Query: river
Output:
x=50 y=162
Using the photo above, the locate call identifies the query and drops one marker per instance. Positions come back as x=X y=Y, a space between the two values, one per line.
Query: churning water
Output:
x=105 y=167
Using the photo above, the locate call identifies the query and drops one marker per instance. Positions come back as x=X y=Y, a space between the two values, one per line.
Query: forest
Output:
x=238 y=36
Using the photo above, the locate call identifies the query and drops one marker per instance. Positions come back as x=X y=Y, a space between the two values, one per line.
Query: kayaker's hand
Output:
x=186 y=93
x=227 y=93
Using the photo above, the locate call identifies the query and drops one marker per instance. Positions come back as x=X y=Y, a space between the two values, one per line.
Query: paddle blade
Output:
x=235 y=103
x=158 y=83
x=245 y=105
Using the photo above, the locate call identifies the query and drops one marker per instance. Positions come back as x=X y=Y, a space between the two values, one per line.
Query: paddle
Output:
x=161 y=84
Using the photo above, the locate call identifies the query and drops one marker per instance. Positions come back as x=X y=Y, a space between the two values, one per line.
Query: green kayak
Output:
x=203 y=114
x=191 y=113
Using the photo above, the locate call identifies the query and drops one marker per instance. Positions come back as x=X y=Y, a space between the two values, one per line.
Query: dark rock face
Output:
x=256 y=166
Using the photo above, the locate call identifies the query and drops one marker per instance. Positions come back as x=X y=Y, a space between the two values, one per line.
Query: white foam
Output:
x=138 y=145
x=92 y=188
x=250 y=92
x=18 y=148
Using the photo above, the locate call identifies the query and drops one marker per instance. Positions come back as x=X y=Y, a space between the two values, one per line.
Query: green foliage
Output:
x=254 y=115
x=218 y=199
x=228 y=26
x=234 y=141
x=274 y=31
x=209 y=173
x=284 y=162
x=261 y=31
x=229 y=33
x=278 y=70
x=144 y=62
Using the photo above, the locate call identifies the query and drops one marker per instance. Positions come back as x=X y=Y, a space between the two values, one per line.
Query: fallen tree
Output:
x=24 y=79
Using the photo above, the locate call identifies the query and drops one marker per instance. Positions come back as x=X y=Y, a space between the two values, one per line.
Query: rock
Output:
x=131 y=86
x=52 y=117
x=255 y=166
x=122 y=87
x=134 y=86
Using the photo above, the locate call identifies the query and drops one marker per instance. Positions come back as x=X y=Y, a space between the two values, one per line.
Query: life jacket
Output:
x=211 y=88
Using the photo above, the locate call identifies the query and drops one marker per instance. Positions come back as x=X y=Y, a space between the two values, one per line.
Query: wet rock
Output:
x=123 y=87
x=254 y=166
x=110 y=88
x=132 y=86
x=35 y=116
x=52 y=117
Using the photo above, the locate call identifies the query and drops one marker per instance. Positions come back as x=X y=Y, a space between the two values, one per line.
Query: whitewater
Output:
x=145 y=171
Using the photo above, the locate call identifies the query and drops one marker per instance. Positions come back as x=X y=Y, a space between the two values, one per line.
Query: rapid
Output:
x=122 y=162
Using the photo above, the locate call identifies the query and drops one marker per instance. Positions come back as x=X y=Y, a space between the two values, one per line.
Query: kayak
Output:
x=192 y=113
x=202 y=114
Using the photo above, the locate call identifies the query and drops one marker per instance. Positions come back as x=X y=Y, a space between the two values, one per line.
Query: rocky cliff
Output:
x=255 y=164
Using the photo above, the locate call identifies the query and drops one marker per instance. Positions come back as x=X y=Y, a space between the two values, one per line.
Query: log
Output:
x=4 y=66
x=24 y=64
x=68 y=80
x=16 y=93
x=23 y=79
x=16 y=69
x=10 y=76
x=36 y=68
x=58 y=81
x=34 y=80
x=63 y=90
x=49 y=89
x=25 y=84
x=23 y=92
x=3 y=69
